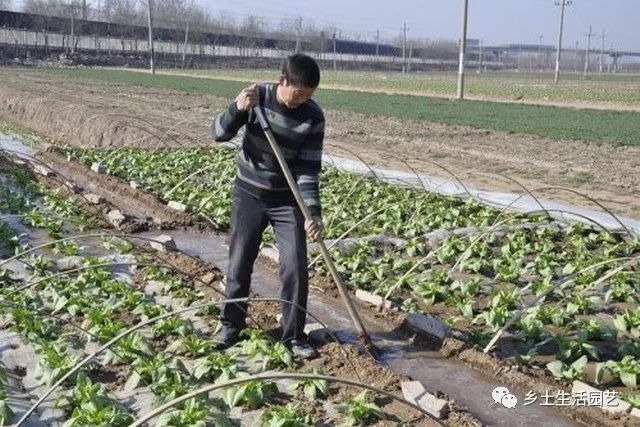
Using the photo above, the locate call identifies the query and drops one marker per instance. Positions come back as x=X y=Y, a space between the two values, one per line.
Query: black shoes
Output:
x=227 y=339
x=302 y=349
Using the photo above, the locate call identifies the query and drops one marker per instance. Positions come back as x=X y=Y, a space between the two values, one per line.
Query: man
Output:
x=262 y=196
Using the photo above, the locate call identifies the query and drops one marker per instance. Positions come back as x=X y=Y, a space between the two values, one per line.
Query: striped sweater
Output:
x=299 y=132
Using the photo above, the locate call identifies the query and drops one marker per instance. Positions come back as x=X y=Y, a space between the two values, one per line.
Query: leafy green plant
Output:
x=629 y=322
x=54 y=362
x=290 y=415
x=272 y=355
x=172 y=325
x=526 y=359
x=252 y=394
x=194 y=413
x=574 y=371
x=216 y=366
x=192 y=345
x=89 y=415
x=117 y=245
x=152 y=369
x=68 y=248
x=358 y=410
x=6 y=413
x=313 y=387
x=569 y=350
x=627 y=370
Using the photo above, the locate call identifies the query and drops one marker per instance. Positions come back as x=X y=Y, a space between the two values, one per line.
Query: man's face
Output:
x=294 y=96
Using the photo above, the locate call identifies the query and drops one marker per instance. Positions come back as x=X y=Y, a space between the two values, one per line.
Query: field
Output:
x=612 y=91
x=528 y=301
x=612 y=127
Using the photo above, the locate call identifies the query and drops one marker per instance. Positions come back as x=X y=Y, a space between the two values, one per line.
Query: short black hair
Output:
x=301 y=70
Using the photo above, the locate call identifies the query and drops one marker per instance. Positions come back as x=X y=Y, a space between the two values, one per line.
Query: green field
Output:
x=615 y=88
x=601 y=126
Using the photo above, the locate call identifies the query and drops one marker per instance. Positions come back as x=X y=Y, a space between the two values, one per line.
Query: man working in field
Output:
x=262 y=197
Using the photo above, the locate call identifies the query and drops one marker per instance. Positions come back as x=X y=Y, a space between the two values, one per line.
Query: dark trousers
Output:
x=249 y=218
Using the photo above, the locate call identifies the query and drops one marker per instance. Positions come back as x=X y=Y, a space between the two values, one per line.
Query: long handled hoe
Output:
x=342 y=289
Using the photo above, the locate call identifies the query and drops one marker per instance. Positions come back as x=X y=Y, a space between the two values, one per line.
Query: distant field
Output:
x=616 y=88
x=614 y=127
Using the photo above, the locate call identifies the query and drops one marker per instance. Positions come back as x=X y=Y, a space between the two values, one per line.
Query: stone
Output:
x=414 y=392
x=372 y=299
x=209 y=278
x=164 y=243
x=134 y=185
x=94 y=199
x=428 y=324
x=73 y=187
x=180 y=207
x=99 y=168
x=69 y=263
x=116 y=218
x=42 y=170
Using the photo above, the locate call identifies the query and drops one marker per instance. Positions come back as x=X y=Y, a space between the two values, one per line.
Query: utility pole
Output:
x=186 y=42
x=298 y=31
x=410 y=56
x=73 y=25
x=540 y=54
x=562 y=4
x=602 y=53
x=481 y=57
x=404 y=48
x=463 y=45
x=377 y=42
x=335 y=67
x=586 y=56
x=152 y=66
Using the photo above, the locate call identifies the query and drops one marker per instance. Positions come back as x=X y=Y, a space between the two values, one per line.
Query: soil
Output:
x=142 y=206
x=83 y=112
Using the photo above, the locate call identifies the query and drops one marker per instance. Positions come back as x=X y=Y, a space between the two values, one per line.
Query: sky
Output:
x=493 y=21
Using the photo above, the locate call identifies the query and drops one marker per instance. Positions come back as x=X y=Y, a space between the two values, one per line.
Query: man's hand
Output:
x=247 y=98
x=313 y=228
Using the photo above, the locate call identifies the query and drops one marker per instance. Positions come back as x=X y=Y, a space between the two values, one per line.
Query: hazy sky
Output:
x=494 y=21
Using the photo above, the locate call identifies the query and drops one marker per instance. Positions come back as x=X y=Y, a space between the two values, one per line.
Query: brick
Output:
x=41 y=170
x=69 y=263
x=415 y=393
x=94 y=199
x=116 y=218
x=428 y=324
x=372 y=299
x=180 y=207
x=209 y=278
x=99 y=168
